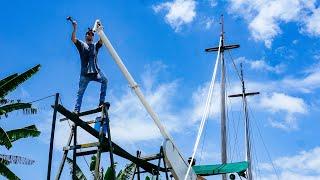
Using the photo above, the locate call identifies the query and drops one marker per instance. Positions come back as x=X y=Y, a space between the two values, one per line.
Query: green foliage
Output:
x=79 y=173
x=17 y=106
x=5 y=139
x=127 y=173
x=5 y=171
x=93 y=162
x=29 y=131
x=10 y=83
x=7 y=85
x=147 y=178
x=7 y=79
x=109 y=175
x=8 y=159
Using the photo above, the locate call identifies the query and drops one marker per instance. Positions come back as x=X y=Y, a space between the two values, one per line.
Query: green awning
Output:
x=207 y=170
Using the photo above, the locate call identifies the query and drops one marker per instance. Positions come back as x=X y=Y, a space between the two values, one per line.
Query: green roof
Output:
x=207 y=170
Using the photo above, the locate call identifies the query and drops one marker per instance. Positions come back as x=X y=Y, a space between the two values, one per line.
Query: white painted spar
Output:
x=176 y=162
x=173 y=152
x=206 y=111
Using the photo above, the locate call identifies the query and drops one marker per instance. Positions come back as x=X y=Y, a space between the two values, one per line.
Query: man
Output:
x=90 y=71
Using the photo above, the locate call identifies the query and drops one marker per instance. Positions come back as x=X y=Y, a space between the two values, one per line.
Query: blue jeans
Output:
x=84 y=81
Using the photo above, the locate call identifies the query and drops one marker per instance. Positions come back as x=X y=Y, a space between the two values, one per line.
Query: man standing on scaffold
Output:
x=90 y=71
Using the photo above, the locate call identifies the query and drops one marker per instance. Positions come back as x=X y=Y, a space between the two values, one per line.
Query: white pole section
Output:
x=206 y=110
x=99 y=29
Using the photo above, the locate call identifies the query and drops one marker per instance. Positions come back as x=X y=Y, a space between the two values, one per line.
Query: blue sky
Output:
x=162 y=44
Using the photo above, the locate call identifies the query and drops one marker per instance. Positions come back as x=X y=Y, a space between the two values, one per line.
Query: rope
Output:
x=204 y=138
x=229 y=118
x=234 y=65
x=206 y=110
x=41 y=99
x=265 y=147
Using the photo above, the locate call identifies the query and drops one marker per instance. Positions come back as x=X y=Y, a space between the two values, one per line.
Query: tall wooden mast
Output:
x=222 y=48
x=244 y=95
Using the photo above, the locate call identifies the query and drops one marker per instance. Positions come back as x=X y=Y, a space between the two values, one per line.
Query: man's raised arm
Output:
x=73 y=36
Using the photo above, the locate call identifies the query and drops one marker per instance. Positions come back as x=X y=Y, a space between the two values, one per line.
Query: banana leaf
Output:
x=5 y=172
x=8 y=78
x=5 y=139
x=109 y=175
x=93 y=162
x=79 y=173
x=29 y=131
x=127 y=173
x=16 y=106
x=2 y=112
x=4 y=101
x=12 y=83
x=15 y=159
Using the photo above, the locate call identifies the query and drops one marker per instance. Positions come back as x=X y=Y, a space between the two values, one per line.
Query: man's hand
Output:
x=74 y=24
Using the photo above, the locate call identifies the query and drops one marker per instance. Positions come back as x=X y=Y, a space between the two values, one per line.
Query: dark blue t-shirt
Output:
x=88 y=55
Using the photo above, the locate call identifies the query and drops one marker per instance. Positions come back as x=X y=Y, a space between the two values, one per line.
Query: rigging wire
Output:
x=256 y=169
x=40 y=99
x=239 y=119
x=228 y=117
x=233 y=151
x=203 y=140
x=234 y=65
x=265 y=147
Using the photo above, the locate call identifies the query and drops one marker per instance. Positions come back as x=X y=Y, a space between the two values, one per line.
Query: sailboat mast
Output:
x=247 y=127
x=221 y=48
x=247 y=139
x=223 y=104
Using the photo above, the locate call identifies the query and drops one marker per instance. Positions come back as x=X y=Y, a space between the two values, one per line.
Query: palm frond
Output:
x=15 y=159
x=13 y=83
x=8 y=78
x=93 y=162
x=127 y=172
x=5 y=172
x=79 y=173
x=5 y=162
x=5 y=139
x=109 y=173
x=17 y=106
x=4 y=101
x=29 y=131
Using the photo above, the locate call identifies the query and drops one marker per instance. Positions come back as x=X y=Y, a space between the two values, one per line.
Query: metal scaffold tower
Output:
x=103 y=144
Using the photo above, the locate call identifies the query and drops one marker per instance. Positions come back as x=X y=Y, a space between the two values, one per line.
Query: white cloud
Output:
x=265 y=16
x=282 y=102
x=306 y=84
x=291 y=106
x=303 y=166
x=262 y=65
x=213 y=3
x=131 y=122
x=199 y=101
x=312 y=23
x=179 y=12
x=208 y=23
